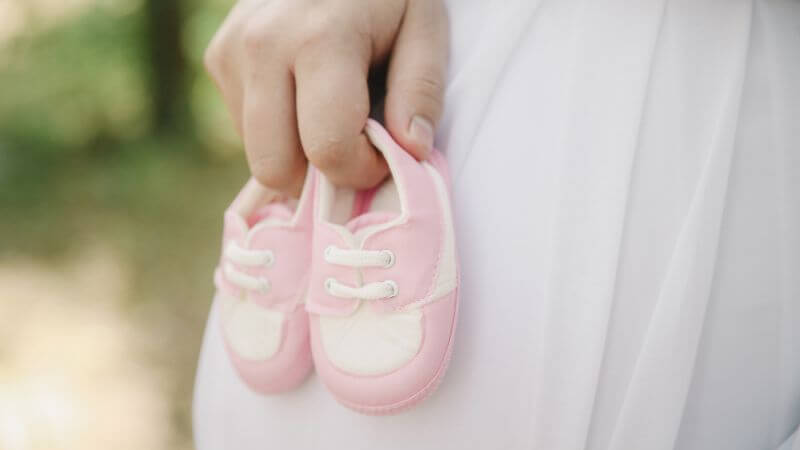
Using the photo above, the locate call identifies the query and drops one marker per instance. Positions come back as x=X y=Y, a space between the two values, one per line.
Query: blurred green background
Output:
x=117 y=158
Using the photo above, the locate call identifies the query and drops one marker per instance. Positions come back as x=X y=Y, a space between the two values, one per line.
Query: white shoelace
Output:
x=378 y=290
x=249 y=258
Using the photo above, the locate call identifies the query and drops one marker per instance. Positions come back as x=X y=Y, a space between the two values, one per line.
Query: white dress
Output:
x=627 y=199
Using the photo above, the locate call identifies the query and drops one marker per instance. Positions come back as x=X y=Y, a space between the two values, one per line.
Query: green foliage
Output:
x=77 y=89
x=75 y=93
x=80 y=162
x=69 y=88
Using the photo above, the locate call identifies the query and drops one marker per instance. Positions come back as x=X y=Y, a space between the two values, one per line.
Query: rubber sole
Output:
x=419 y=396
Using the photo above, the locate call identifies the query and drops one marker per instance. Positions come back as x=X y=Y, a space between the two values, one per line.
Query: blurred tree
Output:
x=168 y=67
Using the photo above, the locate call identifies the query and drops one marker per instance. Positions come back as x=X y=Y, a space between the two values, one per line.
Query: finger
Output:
x=228 y=84
x=222 y=60
x=332 y=108
x=416 y=77
x=269 y=121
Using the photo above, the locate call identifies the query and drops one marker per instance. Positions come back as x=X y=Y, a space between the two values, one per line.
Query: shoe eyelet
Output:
x=269 y=258
x=393 y=288
x=264 y=286
x=390 y=259
x=328 y=285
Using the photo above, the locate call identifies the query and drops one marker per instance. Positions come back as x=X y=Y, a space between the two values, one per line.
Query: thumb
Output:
x=417 y=69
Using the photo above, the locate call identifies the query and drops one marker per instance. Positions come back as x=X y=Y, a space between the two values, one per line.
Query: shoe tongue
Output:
x=359 y=223
x=273 y=212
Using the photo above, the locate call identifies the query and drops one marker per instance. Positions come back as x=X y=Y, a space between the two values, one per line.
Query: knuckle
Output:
x=427 y=90
x=213 y=57
x=326 y=155
x=259 y=33
x=253 y=38
x=320 y=28
x=273 y=173
x=429 y=86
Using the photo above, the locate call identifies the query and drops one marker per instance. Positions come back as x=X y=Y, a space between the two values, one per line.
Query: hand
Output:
x=293 y=74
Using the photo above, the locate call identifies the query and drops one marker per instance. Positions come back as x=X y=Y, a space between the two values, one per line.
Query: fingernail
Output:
x=421 y=130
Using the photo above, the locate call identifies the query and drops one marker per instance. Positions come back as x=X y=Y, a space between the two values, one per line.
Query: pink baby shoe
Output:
x=383 y=290
x=261 y=282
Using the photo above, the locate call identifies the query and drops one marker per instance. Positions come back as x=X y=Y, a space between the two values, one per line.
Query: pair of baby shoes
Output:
x=362 y=285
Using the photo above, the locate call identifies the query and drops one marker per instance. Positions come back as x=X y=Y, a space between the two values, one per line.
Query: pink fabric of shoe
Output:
x=261 y=282
x=383 y=292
